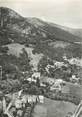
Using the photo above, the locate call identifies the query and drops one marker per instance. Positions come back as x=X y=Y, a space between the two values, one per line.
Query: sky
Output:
x=62 y=12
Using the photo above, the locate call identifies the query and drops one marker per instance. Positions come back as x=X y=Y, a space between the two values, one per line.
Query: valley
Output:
x=42 y=63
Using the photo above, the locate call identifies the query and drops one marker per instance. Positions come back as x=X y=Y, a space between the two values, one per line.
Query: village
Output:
x=34 y=89
x=40 y=58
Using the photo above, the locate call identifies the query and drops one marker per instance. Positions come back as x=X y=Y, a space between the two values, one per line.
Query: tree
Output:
x=24 y=61
x=38 y=82
x=34 y=90
x=3 y=49
x=4 y=17
x=42 y=64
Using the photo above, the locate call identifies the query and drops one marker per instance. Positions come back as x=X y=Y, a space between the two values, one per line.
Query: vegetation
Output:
x=16 y=29
x=63 y=97
x=24 y=61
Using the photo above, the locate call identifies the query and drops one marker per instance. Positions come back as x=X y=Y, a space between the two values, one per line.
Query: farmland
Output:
x=52 y=108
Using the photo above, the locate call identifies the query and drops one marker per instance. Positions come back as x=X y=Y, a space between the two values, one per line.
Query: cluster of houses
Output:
x=55 y=66
x=55 y=84
x=19 y=101
x=34 y=77
x=58 y=65
x=72 y=61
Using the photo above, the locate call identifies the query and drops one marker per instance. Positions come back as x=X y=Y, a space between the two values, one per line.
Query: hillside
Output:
x=74 y=31
x=56 y=32
x=32 y=39
x=30 y=29
x=77 y=32
x=40 y=64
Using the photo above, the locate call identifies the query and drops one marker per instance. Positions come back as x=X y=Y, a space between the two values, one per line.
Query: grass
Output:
x=16 y=49
x=73 y=89
x=52 y=108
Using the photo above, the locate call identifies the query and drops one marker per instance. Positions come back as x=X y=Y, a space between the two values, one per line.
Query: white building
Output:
x=41 y=98
x=31 y=98
x=74 y=79
x=43 y=85
x=65 y=57
x=59 y=81
x=50 y=81
x=36 y=75
x=48 y=67
x=24 y=99
x=31 y=80
x=56 y=88
x=57 y=85
x=59 y=64
x=75 y=61
x=18 y=103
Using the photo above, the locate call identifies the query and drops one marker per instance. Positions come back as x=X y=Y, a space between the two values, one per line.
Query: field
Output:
x=73 y=89
x=16 y=49
x=52 y=108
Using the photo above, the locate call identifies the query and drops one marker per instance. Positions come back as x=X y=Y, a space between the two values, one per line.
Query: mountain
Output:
x=77 y=32
x=57 y=31
x=30 y=39
x=74 y=31
x=30 y=29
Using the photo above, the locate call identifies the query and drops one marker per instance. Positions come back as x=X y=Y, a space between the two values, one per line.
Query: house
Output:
x=42 y=85
x=24 y=99
x=35 y=98
x=65 y=57
x=57 y=85
x=31 y=80
x=59 y=81
x=47 y=70
x=19 y=113
x=75 y=61
x=48 y=67
x=34 y=80
x=36 y=75
x=74 y=79
x=59 y=64
x=18 y=103
x=41 y=98
x=50 y=81
x=56 y=88
x=31 y=98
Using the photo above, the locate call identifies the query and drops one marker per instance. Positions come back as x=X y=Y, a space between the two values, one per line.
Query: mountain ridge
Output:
x=30 y=27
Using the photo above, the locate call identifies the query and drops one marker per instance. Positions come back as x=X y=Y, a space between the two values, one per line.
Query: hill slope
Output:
x=30 y=29
x=74 y=31
x=39 y=38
